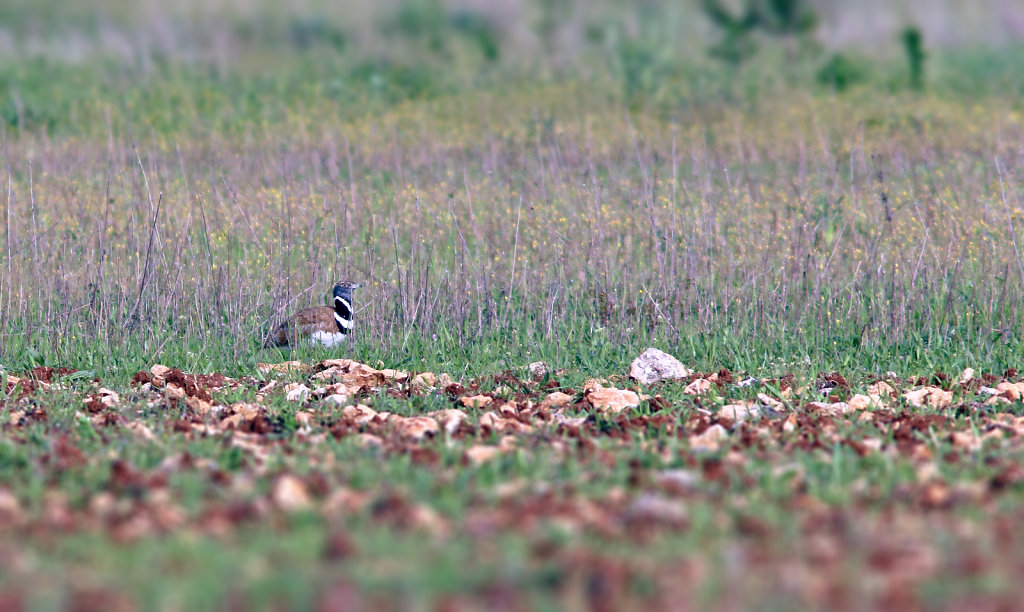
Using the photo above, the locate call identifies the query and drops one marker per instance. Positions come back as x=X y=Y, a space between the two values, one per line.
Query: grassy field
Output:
x=511 y=183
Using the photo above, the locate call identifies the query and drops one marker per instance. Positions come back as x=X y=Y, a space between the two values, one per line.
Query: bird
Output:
x=325 y=325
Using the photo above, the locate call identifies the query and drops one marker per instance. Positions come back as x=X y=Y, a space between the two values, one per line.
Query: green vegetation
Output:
x=756 y=186
x=914 y=49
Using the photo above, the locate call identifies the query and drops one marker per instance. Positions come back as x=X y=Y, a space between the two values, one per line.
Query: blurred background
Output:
x=372 y=53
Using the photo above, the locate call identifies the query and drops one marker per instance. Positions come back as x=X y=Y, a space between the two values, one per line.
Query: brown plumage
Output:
x=322 y=324
x=302 y=325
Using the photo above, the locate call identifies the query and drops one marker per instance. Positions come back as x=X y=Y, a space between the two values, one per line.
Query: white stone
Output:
x=682 y=479
x=655 y=365
x=297 y=392
x=538 y=369
x=654 y=507
x=336 y=399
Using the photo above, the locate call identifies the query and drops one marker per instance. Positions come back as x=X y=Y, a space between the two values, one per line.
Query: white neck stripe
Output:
x=344 y=324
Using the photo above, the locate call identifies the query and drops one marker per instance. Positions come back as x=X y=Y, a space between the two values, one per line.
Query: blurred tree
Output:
x=913 y=47
x=840 y=72
x=788 y=19
x=737 y=43
x=791 y=18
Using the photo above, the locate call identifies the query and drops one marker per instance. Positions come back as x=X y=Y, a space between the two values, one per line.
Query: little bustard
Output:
x=324 y=325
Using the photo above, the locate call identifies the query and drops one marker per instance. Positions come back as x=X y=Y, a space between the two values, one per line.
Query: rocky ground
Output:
x=720 y=486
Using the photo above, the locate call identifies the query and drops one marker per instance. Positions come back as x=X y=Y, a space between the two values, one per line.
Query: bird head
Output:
x=344 y=289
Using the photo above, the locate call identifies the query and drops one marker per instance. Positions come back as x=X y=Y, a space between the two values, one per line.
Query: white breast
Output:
x=327 y=339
